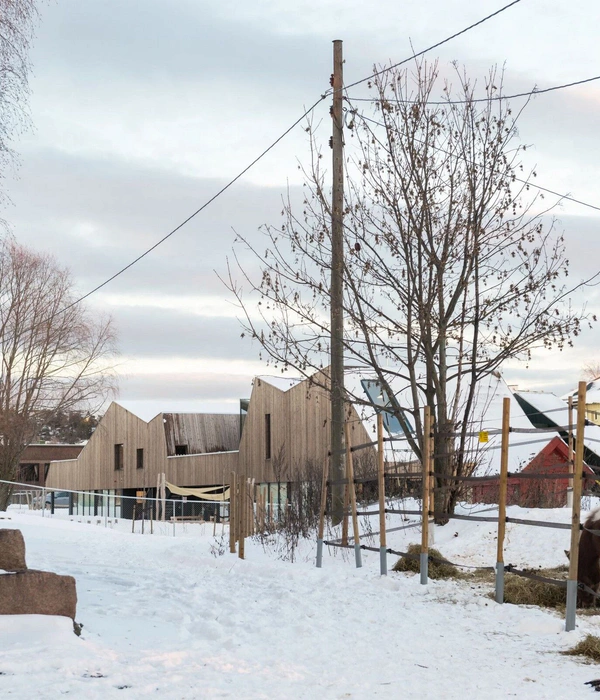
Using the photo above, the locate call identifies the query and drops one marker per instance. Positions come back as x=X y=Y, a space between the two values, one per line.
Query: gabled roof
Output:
x=548 y=410
x=592 y=392
x=280 y=382
x=202 y=432
x=487 y=416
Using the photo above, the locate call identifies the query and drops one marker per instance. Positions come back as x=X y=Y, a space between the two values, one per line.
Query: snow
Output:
x=556 y=410
x=281 y=383
x=169 y=617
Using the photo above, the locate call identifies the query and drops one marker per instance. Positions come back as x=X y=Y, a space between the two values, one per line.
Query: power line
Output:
x=269 y=148
x=433 y=46
x=531 y=93
x=524 y=182
x=206 y=204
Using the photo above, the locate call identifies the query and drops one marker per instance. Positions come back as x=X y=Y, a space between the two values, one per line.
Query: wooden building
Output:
x=128 y=453
x=282 y=437
x=35 y=461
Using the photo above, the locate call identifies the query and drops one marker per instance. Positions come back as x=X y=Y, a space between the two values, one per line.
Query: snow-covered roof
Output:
x=487 y=416
x=592 y=393
x=555 y=411
x=281 y=383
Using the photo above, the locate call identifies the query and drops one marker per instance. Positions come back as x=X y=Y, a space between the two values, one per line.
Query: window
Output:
x=267 y=436
x=181 y=449
x=119 y=456
x=139 y=458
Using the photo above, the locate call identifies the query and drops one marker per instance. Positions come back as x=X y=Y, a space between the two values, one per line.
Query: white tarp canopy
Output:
x=207 y=493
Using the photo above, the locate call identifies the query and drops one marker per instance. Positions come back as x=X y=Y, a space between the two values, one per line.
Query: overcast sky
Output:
x=142 y=111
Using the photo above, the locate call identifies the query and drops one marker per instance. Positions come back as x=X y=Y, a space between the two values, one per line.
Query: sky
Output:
x=143 y=111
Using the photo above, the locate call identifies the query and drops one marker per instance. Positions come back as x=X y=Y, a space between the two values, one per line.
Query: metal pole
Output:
x=337 y=281
x=502 y=500
x=576 y=512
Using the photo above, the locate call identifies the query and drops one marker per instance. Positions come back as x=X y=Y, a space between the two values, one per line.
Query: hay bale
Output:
x=524 y=591
x=588 y=647
x=435 y=570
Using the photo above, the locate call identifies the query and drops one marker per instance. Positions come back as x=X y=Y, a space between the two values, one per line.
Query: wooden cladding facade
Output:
x=284 y=431
x=297 y=422
x=95 y=468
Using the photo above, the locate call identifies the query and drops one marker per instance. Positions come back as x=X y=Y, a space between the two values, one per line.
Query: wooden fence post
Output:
x=576 y=512
x=571 y=458
x=425 y=460
x=381 y=485
x=502 y=493
x=352 y=487
x=232 y=513
x=243 y=511
x=322 y=513
x=431 y=481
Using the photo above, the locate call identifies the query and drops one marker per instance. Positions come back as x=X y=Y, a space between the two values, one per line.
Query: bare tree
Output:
x=591 y=371
x=17 y=19
x=55 y=355
x=449 y=267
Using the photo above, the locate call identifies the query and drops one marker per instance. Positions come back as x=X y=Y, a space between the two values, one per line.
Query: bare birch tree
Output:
x=55 y=355
x=17 y=19
x=449 y=268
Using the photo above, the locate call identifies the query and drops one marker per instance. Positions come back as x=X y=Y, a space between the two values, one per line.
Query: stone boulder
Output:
x=37 y=593
x=12 y=550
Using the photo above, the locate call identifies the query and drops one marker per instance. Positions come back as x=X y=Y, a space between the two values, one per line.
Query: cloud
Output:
x=97 y=215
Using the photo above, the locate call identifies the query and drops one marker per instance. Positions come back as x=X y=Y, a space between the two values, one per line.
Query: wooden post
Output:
x=232 y=513
x=502 y=492
x=337 y=284
x=352 y=487
x=243 y=510
x=571 y=456
x=576 y=511
x=381 y=488
x=425 y=460
x=431 y=481
x=346 y=504
x=322 y=514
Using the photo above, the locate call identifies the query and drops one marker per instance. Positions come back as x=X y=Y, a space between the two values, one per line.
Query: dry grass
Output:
x=588 y=647
x=435 y=570
x=524 y=591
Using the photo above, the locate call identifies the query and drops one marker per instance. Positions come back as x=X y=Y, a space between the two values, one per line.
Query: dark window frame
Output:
x=118 y=456
x=268 y=436
x=139 y=458
x=181 y=450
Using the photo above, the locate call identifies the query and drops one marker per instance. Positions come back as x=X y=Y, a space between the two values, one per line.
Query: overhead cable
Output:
x=532 y=93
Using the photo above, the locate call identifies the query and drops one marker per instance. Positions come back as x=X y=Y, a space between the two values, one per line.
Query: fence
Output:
x=432 y=482
x=109 y=507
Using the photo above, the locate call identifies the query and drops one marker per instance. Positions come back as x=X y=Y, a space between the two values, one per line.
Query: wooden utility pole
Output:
x=337 y=289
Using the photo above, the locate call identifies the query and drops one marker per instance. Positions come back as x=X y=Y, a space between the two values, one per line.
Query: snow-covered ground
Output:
x=168 y=617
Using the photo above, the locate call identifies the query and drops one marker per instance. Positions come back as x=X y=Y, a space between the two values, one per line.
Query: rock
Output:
x=12 y=550
x=37 y=593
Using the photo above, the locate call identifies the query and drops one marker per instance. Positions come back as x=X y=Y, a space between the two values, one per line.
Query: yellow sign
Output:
x=483 y=436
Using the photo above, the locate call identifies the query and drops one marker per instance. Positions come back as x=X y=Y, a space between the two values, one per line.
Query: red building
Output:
x=532 y=492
